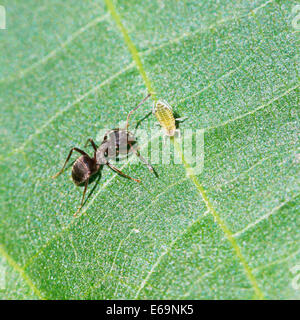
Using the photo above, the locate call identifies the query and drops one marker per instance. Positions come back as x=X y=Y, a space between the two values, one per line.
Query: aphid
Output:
x=164 y=114
x=115 y=142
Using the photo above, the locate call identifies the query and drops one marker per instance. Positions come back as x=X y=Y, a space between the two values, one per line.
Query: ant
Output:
x=115 y=142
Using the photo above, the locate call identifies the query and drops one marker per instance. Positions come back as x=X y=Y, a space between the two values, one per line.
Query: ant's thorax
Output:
x=100 y=153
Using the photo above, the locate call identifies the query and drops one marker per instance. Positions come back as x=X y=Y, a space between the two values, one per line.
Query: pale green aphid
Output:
x=164 y=114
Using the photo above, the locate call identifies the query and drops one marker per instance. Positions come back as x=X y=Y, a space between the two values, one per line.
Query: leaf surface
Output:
x=71 y=69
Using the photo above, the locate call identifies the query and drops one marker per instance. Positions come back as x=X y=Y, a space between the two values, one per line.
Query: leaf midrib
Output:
x=192 y=176
x=246 y=114
x=136 y=54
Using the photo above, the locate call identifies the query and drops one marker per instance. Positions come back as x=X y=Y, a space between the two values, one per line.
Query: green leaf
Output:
x=71 y=69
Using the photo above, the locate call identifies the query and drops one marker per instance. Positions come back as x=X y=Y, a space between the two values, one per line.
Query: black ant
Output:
x=115 y=142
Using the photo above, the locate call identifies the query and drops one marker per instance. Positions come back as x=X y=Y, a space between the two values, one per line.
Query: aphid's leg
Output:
x=92 y=143
x=178 y=133
x=83 y=196
x=137 y=153
x=129 y=114
x=181 y=119
x=121 y=173
x=164 y=139
x=153 y=108
x=70 y=153
x=137 y=123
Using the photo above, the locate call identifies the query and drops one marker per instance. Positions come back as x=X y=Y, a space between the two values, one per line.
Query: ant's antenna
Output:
x=129 y=114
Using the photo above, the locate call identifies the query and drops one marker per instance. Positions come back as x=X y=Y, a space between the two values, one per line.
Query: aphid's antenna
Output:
x=129 y=114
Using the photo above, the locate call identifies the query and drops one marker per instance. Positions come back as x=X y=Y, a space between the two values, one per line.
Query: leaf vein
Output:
x=223 y=124
x=199 y=187
x=216 y=81
x=278 y=261
x=54 y=52
x=69 y=106
x=21 y=271
x=265 y=216
x=166 y=251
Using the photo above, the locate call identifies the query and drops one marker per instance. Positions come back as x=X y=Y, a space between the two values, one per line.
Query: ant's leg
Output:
x=121 y=173
x=129 y=114
x=82 y=200
x=70 y=153
x=137 y=153
x=92 y=143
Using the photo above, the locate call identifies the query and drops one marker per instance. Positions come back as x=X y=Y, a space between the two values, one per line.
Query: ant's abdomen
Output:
x=82 y=169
